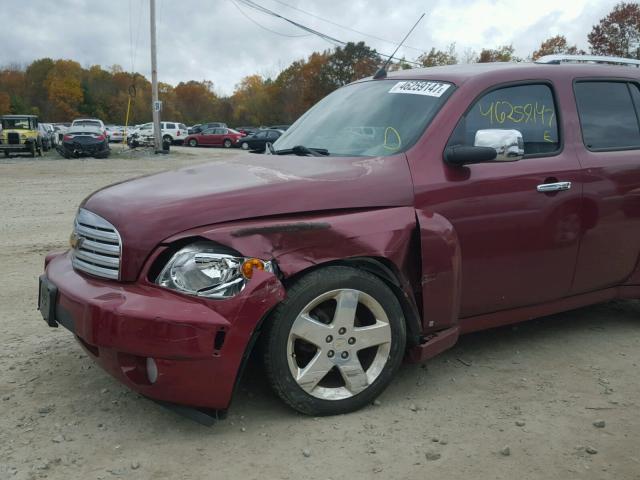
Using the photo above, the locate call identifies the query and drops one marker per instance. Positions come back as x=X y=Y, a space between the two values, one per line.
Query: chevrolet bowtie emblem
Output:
x=75 y=241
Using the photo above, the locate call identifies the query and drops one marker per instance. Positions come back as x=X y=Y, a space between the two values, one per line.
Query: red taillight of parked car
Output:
x=178 y=133
x=99 y=137
x=66 y=138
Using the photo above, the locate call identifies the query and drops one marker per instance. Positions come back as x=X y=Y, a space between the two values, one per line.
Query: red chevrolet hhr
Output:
x=396 y=214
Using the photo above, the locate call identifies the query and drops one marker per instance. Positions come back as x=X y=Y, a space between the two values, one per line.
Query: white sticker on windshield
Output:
x=420 y=87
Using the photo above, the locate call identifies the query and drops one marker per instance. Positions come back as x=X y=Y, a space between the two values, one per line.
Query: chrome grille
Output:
x=97 y=246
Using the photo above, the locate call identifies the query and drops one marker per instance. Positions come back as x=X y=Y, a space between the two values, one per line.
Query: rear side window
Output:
x=182 y=126
x=607 y=115
x=530 y=109
x=170 y=126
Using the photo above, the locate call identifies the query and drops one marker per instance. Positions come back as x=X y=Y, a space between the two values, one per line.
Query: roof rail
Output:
x=558 y=59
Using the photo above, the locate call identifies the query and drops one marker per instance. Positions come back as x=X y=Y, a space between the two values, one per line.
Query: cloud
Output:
x=213 y=40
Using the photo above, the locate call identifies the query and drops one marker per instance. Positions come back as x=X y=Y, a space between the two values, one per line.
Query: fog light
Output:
x=152 y=370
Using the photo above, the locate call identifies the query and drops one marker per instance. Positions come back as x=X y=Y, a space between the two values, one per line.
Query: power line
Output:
x=133 y=44
x=263 y=27
x=260 y=8
x=421 y=50
x=328 y=38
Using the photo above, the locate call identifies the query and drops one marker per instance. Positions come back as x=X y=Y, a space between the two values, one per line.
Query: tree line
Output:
x=60 y=90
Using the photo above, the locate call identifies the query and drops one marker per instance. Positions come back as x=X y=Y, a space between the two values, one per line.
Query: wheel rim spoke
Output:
x=372 y=336
x=310 y=330
x=354 y=376
x=309 y=376
x=347 y=303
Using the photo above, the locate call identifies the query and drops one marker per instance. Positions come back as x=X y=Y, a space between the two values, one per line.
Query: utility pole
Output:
x=157 y=135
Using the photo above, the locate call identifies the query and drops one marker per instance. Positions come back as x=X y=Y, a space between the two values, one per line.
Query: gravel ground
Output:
x=552 y=398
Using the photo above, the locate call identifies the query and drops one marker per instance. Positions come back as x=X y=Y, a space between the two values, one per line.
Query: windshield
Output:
x=16 y=123
x=373 y=118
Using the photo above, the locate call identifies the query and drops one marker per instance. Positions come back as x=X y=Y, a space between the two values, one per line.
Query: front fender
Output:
x=300 y=242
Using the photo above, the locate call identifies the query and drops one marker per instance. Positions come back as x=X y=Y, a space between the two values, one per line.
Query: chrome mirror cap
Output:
x=508 y=144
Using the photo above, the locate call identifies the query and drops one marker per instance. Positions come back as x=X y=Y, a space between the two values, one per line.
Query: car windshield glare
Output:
x=371 y=118
x=16 y=123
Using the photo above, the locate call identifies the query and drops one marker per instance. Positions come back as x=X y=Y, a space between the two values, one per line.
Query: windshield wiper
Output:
x=303 y=151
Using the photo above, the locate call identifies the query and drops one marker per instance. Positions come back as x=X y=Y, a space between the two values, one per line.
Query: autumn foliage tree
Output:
x=504 y=53
x=5 y=103
x=435 y=57
x=554 y=46
x=64 y=88
x=618 y=34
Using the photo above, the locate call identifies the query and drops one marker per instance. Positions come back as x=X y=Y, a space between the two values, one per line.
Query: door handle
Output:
x=553 y=187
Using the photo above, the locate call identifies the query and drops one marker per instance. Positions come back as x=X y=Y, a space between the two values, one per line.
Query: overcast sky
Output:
x=214 y=40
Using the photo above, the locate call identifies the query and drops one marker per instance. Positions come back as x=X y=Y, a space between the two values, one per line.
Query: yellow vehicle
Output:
x=20 y=134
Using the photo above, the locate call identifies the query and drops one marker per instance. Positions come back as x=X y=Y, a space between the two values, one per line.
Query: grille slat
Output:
x=99 y=247
x=101 y=260
x=98 y=234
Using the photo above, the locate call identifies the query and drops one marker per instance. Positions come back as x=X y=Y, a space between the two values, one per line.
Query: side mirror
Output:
x=508 y=144
x=459 y=155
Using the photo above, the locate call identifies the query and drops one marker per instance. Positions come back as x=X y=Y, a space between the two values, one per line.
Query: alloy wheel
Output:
x=339 y=344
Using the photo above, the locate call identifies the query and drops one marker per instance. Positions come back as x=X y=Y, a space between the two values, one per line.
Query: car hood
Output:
x=149 y=209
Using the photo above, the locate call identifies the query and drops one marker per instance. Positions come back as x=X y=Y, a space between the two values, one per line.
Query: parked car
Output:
x=115 y=133
x=84 y=141
x=59 y=131
x=20 y=134
x=171 y=131
x=45 y=139
x=53 y=139
x=205 y=126
x=257 y=142
x=247 y=130
x=174 y=131
x=221 y=137
x=430 y=203
x=191 y=130
x=89 y=122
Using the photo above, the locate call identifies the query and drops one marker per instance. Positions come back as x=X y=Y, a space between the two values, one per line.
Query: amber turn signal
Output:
x=249 y=265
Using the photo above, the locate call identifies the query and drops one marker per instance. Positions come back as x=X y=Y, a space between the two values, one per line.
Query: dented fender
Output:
x=299 y=242
x=420 y=249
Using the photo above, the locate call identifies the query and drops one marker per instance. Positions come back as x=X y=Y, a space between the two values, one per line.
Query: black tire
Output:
x=167 y=138
x=244 y=146
x=193 y=142
x=227 y=143
x=280 y=323
x=32 y=149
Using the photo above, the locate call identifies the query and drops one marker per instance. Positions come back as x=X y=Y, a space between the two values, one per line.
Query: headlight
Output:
x=201 y=269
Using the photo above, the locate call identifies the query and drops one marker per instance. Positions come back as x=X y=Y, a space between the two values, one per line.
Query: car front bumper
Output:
x=198 y=345
x=7 y=147
x=78 y=149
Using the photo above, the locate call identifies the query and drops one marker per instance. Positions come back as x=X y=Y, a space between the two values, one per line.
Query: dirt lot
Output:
x=537 y=388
